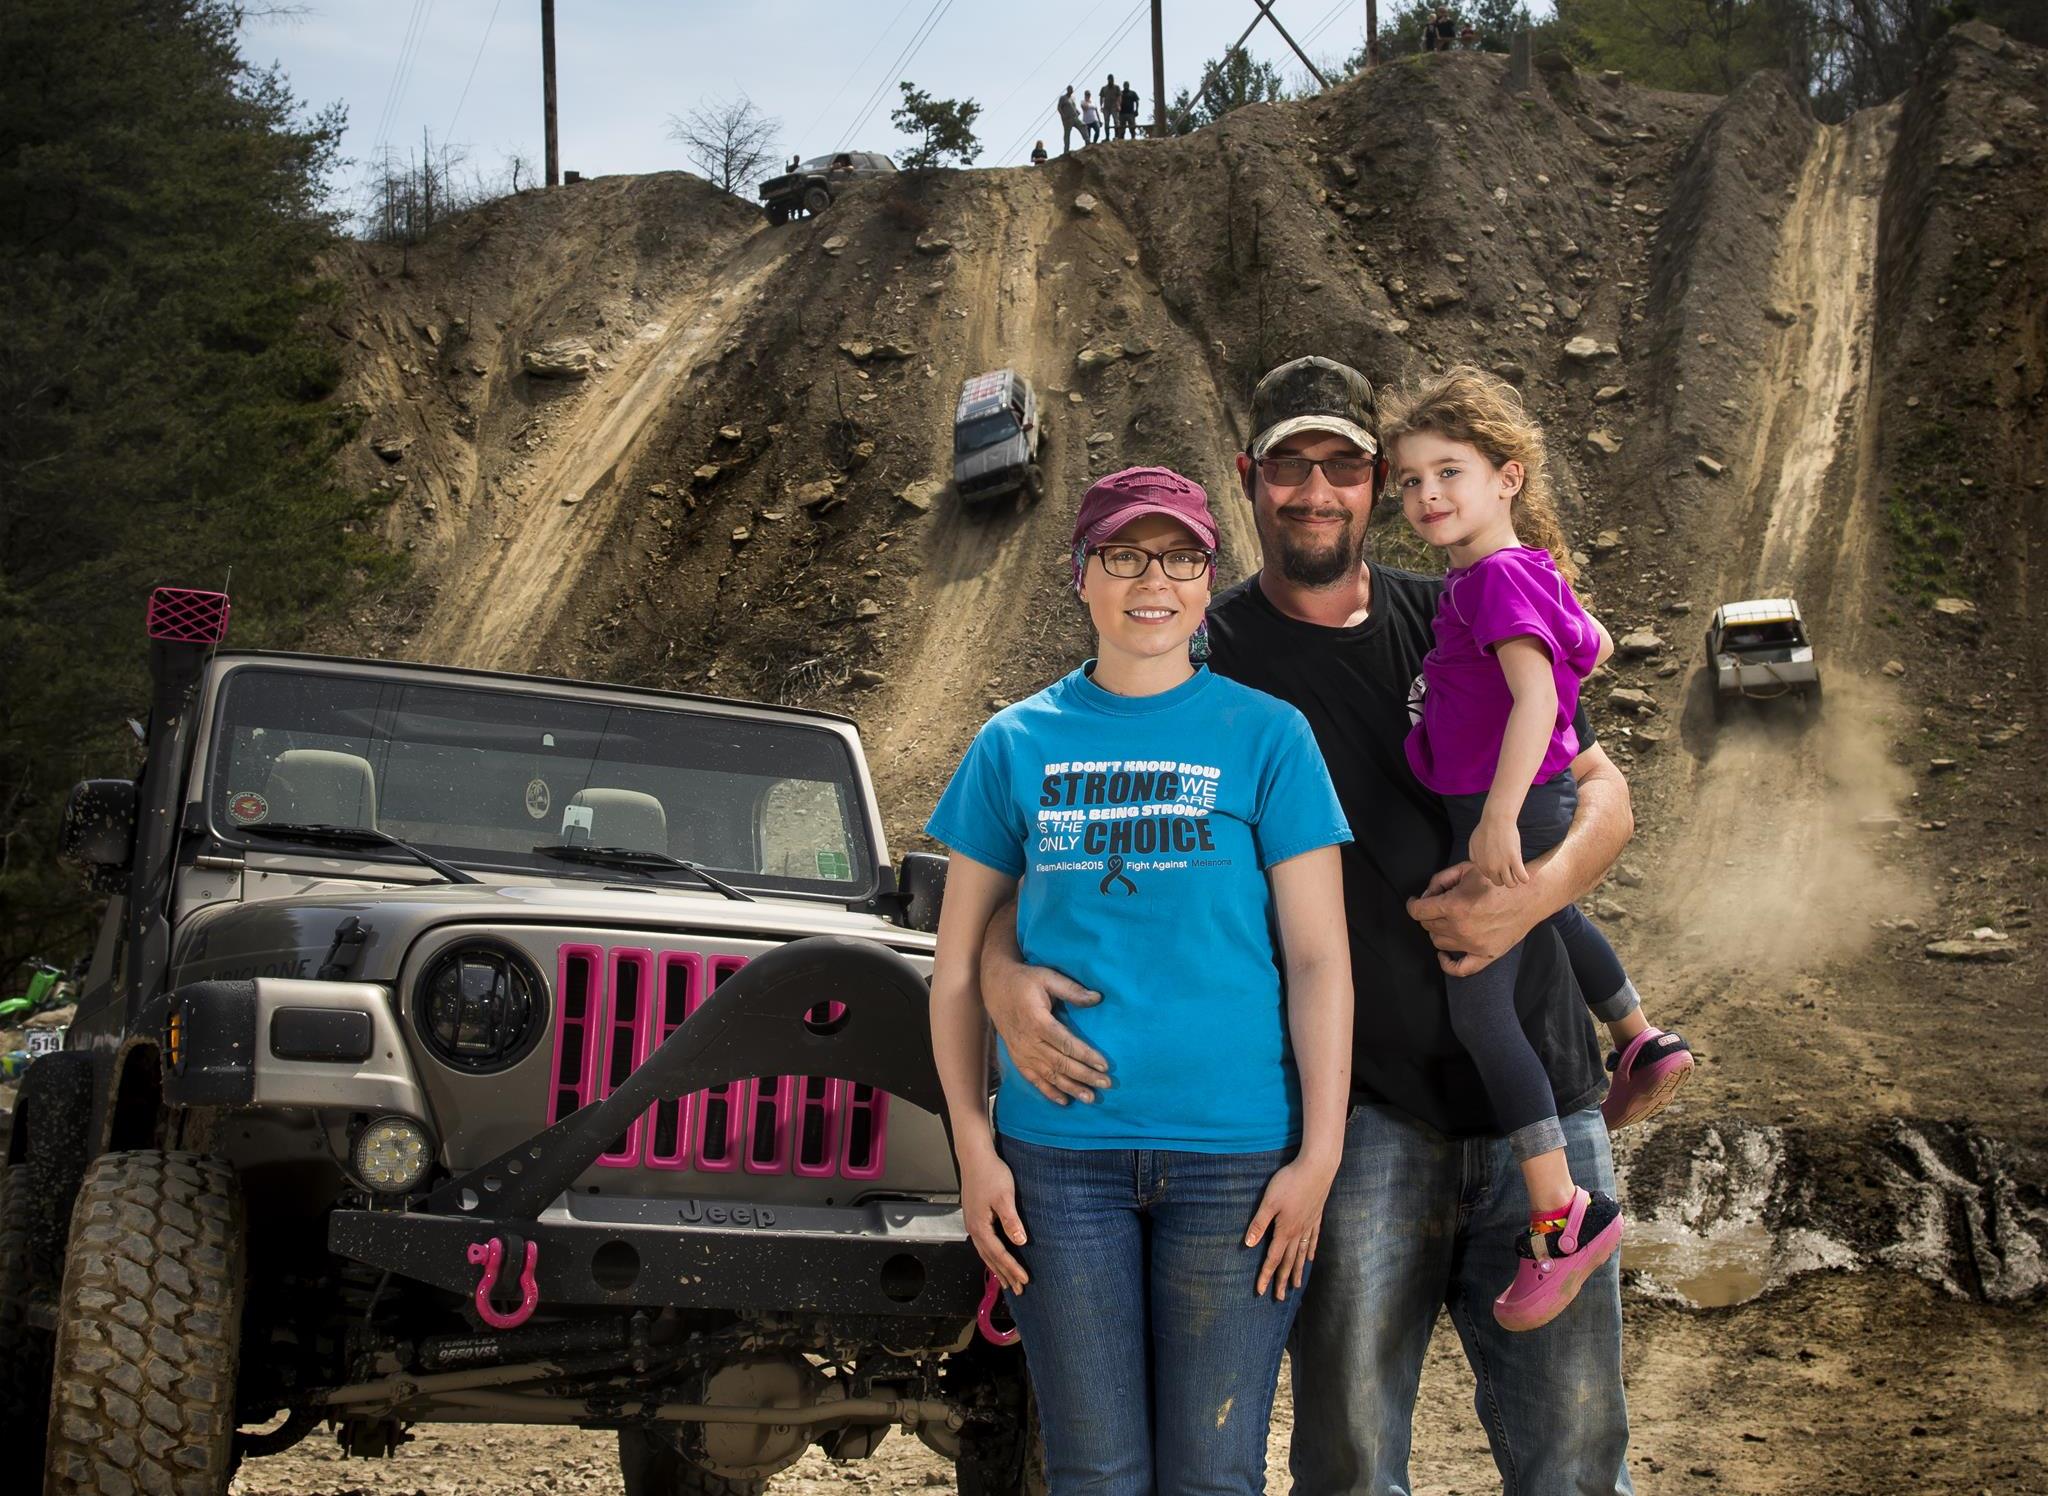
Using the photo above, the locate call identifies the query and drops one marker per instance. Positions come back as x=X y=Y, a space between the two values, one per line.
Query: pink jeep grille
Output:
x=614 y=1006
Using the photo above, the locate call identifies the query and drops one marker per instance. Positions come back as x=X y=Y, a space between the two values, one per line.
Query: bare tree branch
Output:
x=728 y=142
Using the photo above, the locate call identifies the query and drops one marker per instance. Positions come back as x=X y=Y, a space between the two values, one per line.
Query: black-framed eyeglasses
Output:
x=1129 y=562
x=1339 y=472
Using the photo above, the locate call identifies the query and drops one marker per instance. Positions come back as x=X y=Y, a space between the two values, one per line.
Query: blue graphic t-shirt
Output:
x=1142 y=828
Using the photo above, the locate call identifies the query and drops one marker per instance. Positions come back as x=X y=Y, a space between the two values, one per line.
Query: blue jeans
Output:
x=1417 y=1222
x=1483 y=1005
x=1153 y=1360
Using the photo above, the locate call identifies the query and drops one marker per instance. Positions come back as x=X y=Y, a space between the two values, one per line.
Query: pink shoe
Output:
x=1556 y=1264
x=1647 y=1075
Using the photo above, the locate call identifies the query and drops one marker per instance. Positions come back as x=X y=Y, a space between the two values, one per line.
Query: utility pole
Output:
x=547 y=83
x=1372 y=32
x=1158 y=72
x=1266 y=14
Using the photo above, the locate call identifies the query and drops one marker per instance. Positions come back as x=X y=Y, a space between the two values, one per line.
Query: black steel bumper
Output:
x=892 y=1257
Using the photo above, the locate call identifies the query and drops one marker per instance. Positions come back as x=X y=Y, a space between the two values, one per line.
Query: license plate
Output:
x=44 y=1041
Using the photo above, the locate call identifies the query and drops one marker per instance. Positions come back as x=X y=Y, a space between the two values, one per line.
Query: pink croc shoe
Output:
x=1556 y=1264
x=1647 y=1075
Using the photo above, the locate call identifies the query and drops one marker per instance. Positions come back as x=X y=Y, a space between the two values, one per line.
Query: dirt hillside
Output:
x=1773 y=356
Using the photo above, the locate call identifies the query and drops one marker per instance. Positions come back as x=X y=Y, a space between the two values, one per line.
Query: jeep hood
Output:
x=1011 y=452
x=290 y=936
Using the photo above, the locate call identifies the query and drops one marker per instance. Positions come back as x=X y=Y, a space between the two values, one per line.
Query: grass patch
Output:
x=1925 y=515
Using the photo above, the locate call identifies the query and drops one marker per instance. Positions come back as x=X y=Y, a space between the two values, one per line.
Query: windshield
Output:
x=483 y=775
x=984 y=431
x=1779 y=633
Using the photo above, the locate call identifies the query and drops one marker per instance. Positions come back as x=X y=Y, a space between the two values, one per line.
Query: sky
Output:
x=469 y=70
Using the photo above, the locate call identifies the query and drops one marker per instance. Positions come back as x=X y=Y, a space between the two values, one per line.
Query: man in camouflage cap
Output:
x=1428 y=1197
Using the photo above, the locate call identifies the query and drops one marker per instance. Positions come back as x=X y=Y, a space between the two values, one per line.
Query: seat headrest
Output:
x=315 y=786
x=625 y=818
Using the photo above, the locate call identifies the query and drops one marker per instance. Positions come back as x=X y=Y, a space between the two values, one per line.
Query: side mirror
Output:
x=99 y=829
x=922 y=881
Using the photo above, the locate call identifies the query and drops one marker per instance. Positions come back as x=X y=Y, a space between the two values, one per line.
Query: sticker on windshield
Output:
x=248 y=808
x=538 y=800
x=836 y=866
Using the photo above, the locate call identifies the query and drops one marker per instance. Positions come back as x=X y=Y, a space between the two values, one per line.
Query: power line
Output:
x=408 y=58
x=1117 y=35
x=897 y=69
x=391 y=89
x=1086 y=17
x=464 y=98
x=867 y=102
x=1336 y=12
x=418 y=46
x=855 y=69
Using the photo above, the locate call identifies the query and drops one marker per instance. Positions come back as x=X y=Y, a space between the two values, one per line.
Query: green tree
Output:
x=945 y=127
x=1693 y=46
x=1228 y=82
x=164 y=394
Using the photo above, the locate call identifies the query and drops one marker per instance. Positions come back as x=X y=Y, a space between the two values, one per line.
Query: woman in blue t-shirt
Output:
x=1171 y=839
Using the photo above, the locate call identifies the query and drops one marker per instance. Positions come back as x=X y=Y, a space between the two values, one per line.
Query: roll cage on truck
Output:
x=479 y=1048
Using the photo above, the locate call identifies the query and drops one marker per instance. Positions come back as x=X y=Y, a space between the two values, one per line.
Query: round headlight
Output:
x=392 y=1154
x=479 y=1007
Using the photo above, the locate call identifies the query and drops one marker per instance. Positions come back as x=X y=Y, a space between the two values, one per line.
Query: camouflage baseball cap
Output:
x=1314 y=394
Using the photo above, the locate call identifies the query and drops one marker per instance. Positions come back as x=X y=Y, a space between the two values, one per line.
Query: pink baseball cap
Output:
x=1114 y=501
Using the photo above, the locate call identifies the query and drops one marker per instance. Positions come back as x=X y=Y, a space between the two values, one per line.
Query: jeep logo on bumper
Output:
x=695 y=1213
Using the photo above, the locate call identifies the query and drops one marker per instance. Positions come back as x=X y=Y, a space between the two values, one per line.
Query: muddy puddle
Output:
x=1721 y=1215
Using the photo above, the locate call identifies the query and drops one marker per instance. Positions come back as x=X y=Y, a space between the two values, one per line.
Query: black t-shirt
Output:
x=1353 y=684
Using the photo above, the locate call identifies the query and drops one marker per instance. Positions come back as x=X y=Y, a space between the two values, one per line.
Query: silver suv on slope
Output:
x=468 y=1047
x=1760 y=650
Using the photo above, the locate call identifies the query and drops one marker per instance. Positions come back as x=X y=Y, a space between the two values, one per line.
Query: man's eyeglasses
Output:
x=1338 y=472
x=1130 y=562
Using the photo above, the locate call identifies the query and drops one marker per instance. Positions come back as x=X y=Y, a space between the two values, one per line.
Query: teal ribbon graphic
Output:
x=1116 y=875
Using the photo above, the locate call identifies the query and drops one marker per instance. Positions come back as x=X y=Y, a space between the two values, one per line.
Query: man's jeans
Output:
x=1417 y=1221
x=1153 y=1360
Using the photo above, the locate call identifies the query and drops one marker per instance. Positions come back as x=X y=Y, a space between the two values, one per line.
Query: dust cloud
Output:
x=1787 y=856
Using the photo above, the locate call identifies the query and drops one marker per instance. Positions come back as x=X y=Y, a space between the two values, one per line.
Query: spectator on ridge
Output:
x=1091 y=122
x=1070 y=116
x=1112 y=107
x=1038 y=153
x=1129 y=117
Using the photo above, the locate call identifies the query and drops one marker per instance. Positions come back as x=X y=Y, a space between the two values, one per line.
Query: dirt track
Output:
x=1781 y=882
x=494 y=611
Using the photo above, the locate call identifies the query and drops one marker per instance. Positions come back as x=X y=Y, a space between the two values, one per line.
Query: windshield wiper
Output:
x=640 y=862
x=358 y=836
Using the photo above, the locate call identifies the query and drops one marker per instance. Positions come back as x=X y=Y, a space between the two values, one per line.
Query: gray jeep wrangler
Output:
x=468 y=1047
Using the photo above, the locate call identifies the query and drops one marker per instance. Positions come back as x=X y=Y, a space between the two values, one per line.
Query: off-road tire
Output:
x=650 y=1465
x=1009 y=1459
x=149 y=1329
x=816 y=200
x=1034 y=482
x=777 y=213
x=24 y=1349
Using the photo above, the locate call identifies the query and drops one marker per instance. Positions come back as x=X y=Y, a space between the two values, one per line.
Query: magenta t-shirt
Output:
x=1513 y=593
